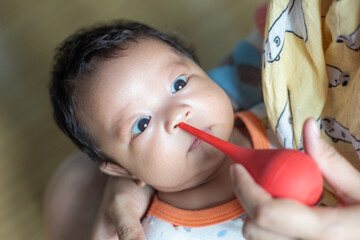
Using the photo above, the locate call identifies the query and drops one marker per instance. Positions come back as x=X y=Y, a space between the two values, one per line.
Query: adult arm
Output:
x=270 y=218
x=83 y=203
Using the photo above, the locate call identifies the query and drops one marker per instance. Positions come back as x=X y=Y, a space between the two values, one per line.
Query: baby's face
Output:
x=132 y=106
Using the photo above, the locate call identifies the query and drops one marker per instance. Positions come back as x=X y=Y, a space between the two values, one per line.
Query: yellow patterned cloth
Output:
x=311 y=68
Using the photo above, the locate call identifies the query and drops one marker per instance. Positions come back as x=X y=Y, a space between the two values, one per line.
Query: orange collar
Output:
x=255 y=128
x=196 y=218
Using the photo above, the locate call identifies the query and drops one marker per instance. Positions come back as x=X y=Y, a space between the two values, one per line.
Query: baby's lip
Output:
x=197 y=141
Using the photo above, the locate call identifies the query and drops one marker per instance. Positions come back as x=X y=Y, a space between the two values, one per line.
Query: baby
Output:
x=119 y=92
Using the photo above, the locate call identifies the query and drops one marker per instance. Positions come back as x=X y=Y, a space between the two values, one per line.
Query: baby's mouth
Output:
x=197 y=141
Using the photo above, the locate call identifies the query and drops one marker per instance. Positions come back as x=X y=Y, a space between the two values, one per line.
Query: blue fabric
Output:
x=245 y=53
x=242 y=94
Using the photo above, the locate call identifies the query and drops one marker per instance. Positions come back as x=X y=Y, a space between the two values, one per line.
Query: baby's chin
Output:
x=212 y=170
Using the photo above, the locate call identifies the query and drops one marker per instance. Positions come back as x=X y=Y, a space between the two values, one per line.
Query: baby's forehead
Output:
x=134 y=51
x=145 y=54
x=150 y=43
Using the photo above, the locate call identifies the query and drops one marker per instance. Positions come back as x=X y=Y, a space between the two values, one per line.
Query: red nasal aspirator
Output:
x=283 y=173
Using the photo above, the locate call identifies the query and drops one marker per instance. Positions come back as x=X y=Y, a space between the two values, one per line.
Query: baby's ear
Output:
x=114 y=169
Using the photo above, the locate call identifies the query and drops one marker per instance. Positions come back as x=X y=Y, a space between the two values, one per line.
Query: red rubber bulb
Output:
x=283 y=173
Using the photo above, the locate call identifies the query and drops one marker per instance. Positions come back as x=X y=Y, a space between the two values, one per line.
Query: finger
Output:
x=130 y=231
x=341 y=223
x=127 y=220
x=252 y=231
x=289 y=218
x=332 y=164
x=104 y=229
x=250 y=194
x=123 y=205
x=127 y=232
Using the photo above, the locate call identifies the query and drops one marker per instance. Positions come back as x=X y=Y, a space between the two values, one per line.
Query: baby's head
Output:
x=119 y=91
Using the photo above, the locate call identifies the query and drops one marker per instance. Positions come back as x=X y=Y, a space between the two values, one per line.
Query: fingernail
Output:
x=315 y=128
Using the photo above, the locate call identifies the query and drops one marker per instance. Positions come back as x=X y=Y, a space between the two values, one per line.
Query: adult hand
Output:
x=270 y=218
x=123 y=205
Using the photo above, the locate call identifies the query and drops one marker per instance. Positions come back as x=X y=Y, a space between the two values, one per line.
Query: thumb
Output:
x=118 y=221
x=104 y=228
x=337 y=171
x=128 y=225
x=124 y=226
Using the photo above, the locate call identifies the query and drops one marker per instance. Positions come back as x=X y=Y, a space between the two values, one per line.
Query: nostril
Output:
x=187 y=114
x=176 y=126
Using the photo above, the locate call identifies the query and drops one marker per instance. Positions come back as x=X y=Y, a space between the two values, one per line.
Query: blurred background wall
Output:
x=31 y=146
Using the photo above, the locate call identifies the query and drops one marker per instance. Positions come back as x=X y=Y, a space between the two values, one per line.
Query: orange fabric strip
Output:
x=196 y=218
x=256 y=130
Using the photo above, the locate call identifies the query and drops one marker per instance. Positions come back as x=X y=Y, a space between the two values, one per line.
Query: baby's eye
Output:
x=179 y=83
x=140 y=125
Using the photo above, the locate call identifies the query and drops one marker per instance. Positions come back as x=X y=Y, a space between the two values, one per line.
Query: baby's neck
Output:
x=214 y=192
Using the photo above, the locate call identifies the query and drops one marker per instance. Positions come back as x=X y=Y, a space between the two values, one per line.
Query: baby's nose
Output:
x=176 y=115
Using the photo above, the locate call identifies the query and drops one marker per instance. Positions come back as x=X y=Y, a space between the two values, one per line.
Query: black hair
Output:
x=73 y=61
